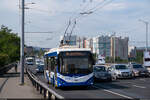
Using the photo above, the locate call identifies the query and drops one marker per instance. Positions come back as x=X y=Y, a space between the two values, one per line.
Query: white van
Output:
x=101 y=60
x=29 y=60
x=147 y=60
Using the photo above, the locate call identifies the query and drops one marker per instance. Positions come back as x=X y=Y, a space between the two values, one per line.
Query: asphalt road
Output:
x=138 y=88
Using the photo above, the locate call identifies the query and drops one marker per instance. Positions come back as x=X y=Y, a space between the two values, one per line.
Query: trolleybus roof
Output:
x=67 y=48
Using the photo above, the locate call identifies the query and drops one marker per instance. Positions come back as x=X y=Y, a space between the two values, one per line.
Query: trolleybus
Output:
x=69 y=66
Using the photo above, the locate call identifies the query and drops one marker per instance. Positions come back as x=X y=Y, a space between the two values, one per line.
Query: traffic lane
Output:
x=89 y=93
x=83 y=93
x=32 y=68
x=143 y=82
x=133 y=88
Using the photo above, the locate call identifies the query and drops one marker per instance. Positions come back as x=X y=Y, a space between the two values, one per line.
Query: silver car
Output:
x=120 y=71
x=139 y=70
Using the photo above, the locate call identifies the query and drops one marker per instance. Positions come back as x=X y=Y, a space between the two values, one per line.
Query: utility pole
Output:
x=146 y=36
x=22 y=45
x=146 y=23
x=114 y=47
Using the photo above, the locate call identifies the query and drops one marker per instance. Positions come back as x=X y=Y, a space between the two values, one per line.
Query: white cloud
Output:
x=115 y=6
x=52 y=15
x=11 y=5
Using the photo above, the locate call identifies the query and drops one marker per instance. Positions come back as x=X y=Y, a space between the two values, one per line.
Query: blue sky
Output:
x=120 y=16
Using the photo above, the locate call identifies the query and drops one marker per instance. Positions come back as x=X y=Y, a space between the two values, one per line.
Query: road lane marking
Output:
x=128 y=82
x=142 y=79
x=139 y=86
x=118 y=94
x=115 y=93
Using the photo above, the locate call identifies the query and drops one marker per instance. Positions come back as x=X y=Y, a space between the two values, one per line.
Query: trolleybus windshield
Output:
x=76 y=63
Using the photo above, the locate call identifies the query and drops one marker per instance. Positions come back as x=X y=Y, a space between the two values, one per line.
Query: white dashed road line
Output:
x=139 y=86
x=116 y=93
x=142 y=79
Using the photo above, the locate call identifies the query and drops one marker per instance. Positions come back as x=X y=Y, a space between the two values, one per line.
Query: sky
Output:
x=52 y=16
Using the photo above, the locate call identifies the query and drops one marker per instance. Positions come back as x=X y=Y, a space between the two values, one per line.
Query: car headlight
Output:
x=96 y=75
x=136 y=71
x=118 y=72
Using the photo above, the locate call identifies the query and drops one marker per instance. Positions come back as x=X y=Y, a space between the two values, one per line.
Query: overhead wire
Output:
x=94 y=9
x=80 y=15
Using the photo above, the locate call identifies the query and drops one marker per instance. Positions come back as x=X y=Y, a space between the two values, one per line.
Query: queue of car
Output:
x=118 y=71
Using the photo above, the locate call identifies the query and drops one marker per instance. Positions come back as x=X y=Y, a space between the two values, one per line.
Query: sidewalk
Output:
x=10 y=88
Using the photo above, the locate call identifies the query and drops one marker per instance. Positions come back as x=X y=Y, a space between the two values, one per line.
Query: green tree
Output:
x=9 y=46
x=41 y=53
x=139 y=57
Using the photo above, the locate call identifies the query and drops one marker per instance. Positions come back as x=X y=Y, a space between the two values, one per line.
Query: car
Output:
x=148 y=69
x=40 y=68
x=30 y=61
x=101 y=73
x=138 y=70
x=37 y=62
x=120 y=71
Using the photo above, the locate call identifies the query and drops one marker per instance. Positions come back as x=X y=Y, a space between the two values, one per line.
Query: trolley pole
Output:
x=22 y=45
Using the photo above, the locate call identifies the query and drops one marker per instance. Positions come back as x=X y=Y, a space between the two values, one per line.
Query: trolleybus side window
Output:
x=52 y=63
x=61 y=66
x=46 y=62
x=49 y=63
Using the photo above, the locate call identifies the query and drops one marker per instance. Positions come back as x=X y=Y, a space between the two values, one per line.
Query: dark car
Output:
x=101 y=73
x=40 y=68
x=138 y=70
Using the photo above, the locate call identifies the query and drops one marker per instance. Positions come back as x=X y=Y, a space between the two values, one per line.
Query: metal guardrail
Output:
x=6 y=68
x=42 y=88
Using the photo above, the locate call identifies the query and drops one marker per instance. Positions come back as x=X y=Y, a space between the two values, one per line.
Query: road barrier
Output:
x=6 y=68
x=42 y=87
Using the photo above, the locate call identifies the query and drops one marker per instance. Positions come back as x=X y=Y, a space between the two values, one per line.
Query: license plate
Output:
x=142 y=73
x=104 y=77
x=125 y=74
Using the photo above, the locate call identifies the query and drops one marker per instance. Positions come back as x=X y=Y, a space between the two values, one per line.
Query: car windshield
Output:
x=38 y=61
x=99 y=68
x=29 y=60
x=121 y=66
x=137 y=66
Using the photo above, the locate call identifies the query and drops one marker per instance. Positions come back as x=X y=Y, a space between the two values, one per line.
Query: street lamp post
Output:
x=22 y=40
x=146 y=23
x=114 y=47
x=22 y=45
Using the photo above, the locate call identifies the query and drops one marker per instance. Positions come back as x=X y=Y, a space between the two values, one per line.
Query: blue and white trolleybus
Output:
x=69 y=66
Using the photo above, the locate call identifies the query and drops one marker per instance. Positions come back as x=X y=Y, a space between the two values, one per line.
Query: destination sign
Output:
x=75 y=54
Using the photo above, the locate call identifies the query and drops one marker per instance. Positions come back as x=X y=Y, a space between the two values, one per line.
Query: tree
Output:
x=139 y=57
x=9 y=46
